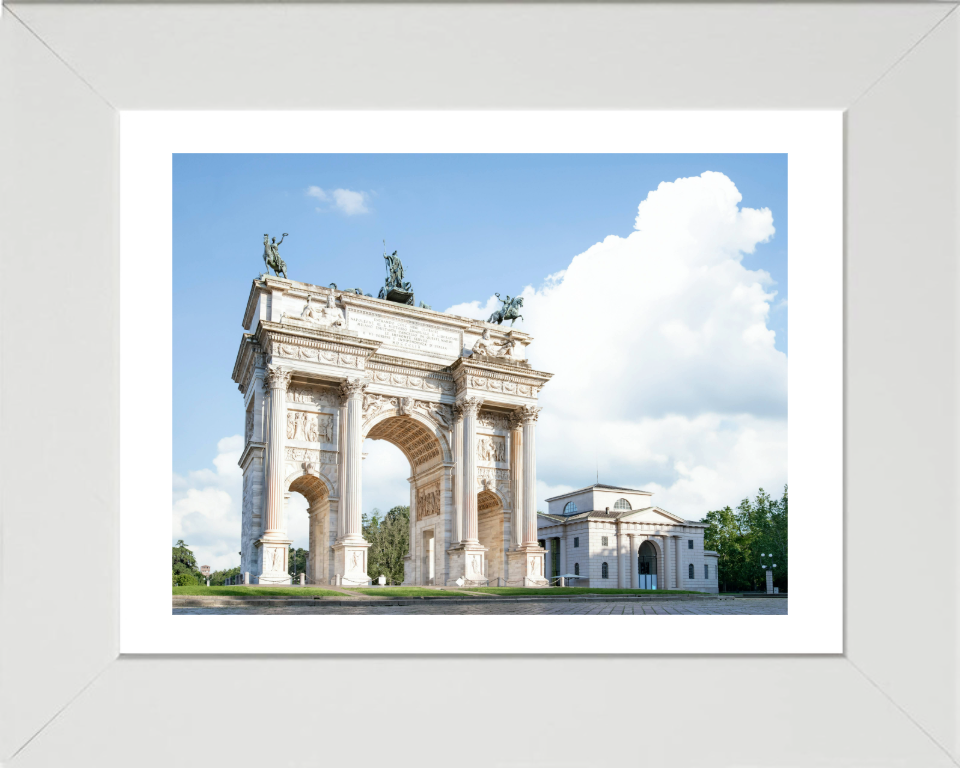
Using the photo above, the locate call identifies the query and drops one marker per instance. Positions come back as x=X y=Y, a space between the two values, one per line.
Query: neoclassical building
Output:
x=320 y=370
x=614 y=537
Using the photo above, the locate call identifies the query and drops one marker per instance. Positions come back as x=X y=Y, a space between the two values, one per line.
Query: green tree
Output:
x=740 y=536
x=185 y=571
x=389 y=539
x=298 y=561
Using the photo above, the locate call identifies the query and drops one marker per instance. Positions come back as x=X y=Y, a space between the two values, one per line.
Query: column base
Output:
x=272 y=558
x=350 y=564
x=525 y=567
x=468 y=561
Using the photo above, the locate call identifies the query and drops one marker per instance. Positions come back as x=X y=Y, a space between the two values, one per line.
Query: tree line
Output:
x=740 y=535
x=186 y=573
x=389 y=538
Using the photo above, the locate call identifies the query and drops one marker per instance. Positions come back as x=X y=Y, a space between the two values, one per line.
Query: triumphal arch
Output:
x=322 y=369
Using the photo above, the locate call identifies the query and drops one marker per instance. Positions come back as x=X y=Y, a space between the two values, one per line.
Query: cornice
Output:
x=251 y=448
x=486 y=368
x=318 y=338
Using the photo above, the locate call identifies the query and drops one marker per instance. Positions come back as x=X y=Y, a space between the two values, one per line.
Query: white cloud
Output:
x=347 y=201
x=666 y=374
x=206 y=503
x=206 y=507
x=385 y=473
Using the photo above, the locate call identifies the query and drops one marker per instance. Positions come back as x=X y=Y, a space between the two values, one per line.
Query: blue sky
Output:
x=667 y=342
x=465 y=226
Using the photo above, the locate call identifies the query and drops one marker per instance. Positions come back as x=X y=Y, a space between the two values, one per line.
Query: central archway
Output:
x=427 y=449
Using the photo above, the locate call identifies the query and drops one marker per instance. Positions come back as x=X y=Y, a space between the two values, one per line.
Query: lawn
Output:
x=565 y=591
x=407 y=592
x=241 y=591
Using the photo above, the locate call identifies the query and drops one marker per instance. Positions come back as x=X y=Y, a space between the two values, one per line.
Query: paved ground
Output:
x=723 y=607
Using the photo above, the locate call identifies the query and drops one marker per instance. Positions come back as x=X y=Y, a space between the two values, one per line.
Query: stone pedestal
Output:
x=350 y=564
x=273 y=554
x=769 y=582
x=525 y=567
x=468 y=561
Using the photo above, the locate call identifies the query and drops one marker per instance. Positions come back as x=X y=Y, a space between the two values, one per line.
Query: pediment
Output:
x=653 y=515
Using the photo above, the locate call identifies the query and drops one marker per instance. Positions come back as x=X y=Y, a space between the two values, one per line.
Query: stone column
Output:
x=677 y=565
x=274 y=542
x=633 y=564
x=350 y=551
x=526 y=564
x=563 y=552
x=278 y=379
x=516 y=478
x=341 y=463
x=469 y=408
x=621 y=557
x=458 y=475
x=350 y=500
x=529 y=415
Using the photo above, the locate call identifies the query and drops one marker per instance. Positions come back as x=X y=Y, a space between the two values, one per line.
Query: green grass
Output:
x=407 y=592
x=241 y=591
x=564 y=591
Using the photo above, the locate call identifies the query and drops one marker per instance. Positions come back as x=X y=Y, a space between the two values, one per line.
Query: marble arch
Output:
x=315 y=385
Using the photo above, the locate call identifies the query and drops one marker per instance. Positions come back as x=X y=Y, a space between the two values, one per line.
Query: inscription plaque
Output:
x=406 y=334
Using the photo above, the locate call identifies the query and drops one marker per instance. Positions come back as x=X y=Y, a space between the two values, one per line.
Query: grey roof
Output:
x=591 y=514
x=600 y=485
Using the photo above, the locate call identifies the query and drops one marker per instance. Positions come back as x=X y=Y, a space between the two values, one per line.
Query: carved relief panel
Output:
x=428 y=500
x=297 y=393
x=312 y=427
x=248 y=427
x=492 y=449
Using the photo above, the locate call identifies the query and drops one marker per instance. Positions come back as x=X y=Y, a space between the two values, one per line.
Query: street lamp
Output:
x=768 y=567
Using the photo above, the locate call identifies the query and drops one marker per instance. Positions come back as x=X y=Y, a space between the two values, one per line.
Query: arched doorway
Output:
x=494 y=534
x=316 y=491
x=426 y=447
x=647 y=565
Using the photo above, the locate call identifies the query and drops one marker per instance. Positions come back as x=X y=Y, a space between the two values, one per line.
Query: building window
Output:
x=604 y=541
x=570 y=508
x=706 y=571
x=689 y=543
x=576 y=569
x=690 y=570
x=604 y=571
x=576 y=541
x=622 y=504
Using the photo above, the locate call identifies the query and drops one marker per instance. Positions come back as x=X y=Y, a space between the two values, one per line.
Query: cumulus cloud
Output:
x=206 y=509
x=346 y=201
x=666 y=373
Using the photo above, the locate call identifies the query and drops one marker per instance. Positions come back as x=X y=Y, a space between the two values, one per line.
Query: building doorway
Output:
x=647 y=565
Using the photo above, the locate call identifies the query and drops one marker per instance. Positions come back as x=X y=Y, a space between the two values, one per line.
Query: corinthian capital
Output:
x=278 y=377
x=515 y=419
x=353 y=388
x=470 y=406
x=528 y=413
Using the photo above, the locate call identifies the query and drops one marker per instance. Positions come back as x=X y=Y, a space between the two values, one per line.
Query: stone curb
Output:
x=188 y=601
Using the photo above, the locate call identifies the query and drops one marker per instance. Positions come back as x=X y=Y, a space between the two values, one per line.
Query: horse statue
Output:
x=271 y=256
x=509 y=310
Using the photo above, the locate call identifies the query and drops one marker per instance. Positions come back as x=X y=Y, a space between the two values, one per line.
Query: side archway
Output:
x=315 y=488
x=492 y=531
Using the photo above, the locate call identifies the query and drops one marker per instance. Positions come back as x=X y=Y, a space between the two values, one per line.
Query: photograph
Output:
x=480 y=383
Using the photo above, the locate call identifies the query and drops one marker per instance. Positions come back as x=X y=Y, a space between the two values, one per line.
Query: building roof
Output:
x=614 y=515
x=603 y=487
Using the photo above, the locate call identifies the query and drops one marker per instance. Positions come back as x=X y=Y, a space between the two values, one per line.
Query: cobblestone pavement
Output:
x=723 y=607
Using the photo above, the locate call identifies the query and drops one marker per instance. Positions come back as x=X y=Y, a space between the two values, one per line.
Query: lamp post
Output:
x=768 y=566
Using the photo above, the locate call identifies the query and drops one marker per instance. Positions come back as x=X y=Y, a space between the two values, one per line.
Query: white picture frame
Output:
x=66 y=693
